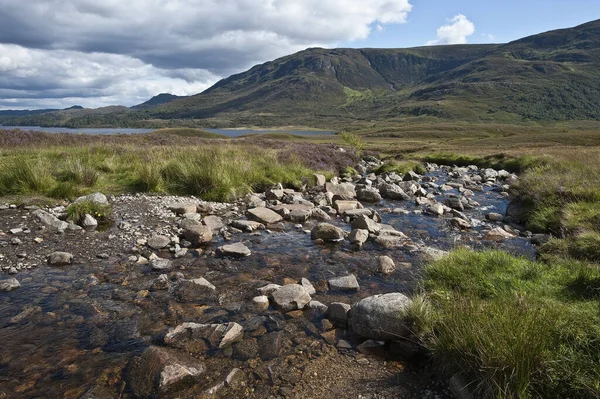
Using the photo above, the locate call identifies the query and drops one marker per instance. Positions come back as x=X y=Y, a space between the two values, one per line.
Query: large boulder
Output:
x=198 y=234
x=290 y=297
x=198 y=338
x=380 y=317
x=95 y=198
x=393 y=192
x=327 y=232
x=50 y=221
x=344 y=191
x=160 y=371
x=264 y=215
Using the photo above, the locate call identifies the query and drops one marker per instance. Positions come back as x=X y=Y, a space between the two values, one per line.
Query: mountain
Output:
x=157 y=100
x=25 y=112
x=552 y=76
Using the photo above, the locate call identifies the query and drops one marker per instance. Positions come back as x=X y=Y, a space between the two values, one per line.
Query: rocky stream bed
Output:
x=277 y=295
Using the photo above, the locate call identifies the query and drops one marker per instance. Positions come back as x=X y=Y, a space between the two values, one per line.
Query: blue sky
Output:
x=506 y=20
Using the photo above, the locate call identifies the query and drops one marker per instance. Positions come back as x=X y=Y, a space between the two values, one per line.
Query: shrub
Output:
x=23 y=175
x=354 y=141
x=78 y=210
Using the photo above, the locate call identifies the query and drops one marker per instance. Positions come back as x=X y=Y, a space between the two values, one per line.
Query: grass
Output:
x=496 y=161
x=515 y=328
x=401 y=167
x=78 y=210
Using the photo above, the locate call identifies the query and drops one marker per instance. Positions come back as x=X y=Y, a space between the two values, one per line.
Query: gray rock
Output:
x=460 y=223
x=386 y=265
x=9 y=284
x=380 y=317
x=95 y=198
x=254 y=201
x=198 y=289
x=365 y=223
x=345 y=283
x=344 y=191
x=247 y=225
x=160 y=264
x=187 y=223
x=50 y=221
x=260 y=303
x=494 y=217
x=308 y=286
x=411 y=176
x=319 y=180
x=337 y=313
x=16 y=231
x=368 y=195
x=182 y=209
x=274 y=194
x=320 y=215
x=198 y=235
x=393 y=192
x=455 y=203
x=299 y=216
x=343 y=206
x=89 y=221
x=237 y=250
x=197 y=338
x=158 y=242
x=429 y=253
x=290 y=297
x=60 y=258
x=498 y=234
x=161 y=371
x=213 y=222
x=358 y=236
x=161 y=283
x=315 y=309
x=354 y=213
x=269 y=289
x=264 y=215
x=327 y=232
x=269 y=345
x=435 y=209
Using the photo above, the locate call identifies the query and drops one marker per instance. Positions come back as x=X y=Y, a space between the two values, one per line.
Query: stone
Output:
x=315 y=309
x=454 y=203
x=299 y=216
x=254 y=201
x=269 y=289
x=368 y=195
x=411 y=176
x=269 y=345
x=9 y=284
x=308 y=286
x=183 y=209
x=345 y=283
x=354 y=213
x=160 y=264
x=213 y=222
x=237 y=250
x=275 y=194
x=60 y=259
x=366 y=223
x=343 y=206
x=198 y=235
x=394 y=192
x=344 y=191
x=247 y=225
x=89 y=221
x=198 y=289
x=320 y=215
x=50 y=221
x=358 y=236
x=460 y=223
x=337 y=313
x=429 y=253
x=161 y=283
x=95 y=198
x=196 y=338
x=372 y=348
x=327 y=232
x=392 y=242
x=290 y=297
x=260 y=303
x=158 y=242
x=16 y=231
x=380 y=317
x=264 y=215
x=498 y=234
x=319 y=180
x=435 y=209
x=160 y=371
x=494 y=217
x=235 y=379
x=246 y=349
x=385 y=265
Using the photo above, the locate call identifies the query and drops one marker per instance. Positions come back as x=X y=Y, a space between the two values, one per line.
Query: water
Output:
x=69 y=329
x=224 y=132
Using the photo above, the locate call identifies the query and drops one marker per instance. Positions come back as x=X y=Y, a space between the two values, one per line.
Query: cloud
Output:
x=167 y=44
x=455 y=32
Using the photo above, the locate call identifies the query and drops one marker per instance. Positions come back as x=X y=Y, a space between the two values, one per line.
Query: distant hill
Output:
x=157 y=100
x=552 y=76
x=25 y=112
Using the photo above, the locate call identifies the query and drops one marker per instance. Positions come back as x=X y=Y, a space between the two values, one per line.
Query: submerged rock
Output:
x=9 y=284
x=345 y=283
x=290 y=297
x=237 y=250
x=197 y=338
x=198 y=289
x=60 y=259
x=386 y=265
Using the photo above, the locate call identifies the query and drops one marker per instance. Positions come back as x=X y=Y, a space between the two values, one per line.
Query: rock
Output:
x=372 y=348
x=366 y=223
x=246 y=349
x=337 y=313
x=213 y=222
x=316 y=309
x=299 y=216
x=354 y=213
x=161 y=283
x=269 y=289
x=198 y=289
x=237 y=250
x=393 y=192
x=343 y=206
x=275 y=194
x=386 y=265
x=182 y=209
x=269 y=345
x=391 y=242
x=50 y=221
x=344 y=191
x=60 y=259
x=254 y=201
x=196 y=338
x=160 y=264
x=435 y=209
x=358 y=236
x=95 y=198
x=539 y=239
x=198 y=235
x=160 y=371
x=460 y=223
x=260 y=303
x=290 y=297
x=89 y=221
x=411 y=176
x=455 y=203
x=320 y=215
x=429 y=253
x=16 y=231
x=327 y=232
x=498 y=234
x=158 y=242
x=368 y=195
x=494 y=217
x=345 y=283
x=319 y=180
x=380 y=317
x=235 y=379
x=9 y=284
x=247 y=225
x=308 y=286
x=264 y=215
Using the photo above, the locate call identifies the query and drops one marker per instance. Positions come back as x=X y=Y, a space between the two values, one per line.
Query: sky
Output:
x=59 y=53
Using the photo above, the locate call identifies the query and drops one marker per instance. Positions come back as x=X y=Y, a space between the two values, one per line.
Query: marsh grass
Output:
x=401 y=167
x=78 y=210
x=516 y=328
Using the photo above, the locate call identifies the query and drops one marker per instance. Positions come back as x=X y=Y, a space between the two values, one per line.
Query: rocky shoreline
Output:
x=202 y=319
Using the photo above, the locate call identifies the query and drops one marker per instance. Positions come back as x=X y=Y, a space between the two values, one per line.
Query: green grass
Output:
x=188 y=132
x=213 y=172
x=516 y=328
x=496 y=161
x=401 y=167
x=78 y=210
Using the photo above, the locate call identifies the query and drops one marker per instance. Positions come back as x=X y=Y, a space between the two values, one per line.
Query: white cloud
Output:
x=455 y=32
x=170 y=44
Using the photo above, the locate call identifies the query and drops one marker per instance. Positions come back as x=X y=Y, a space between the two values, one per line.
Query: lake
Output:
x=225 y=132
